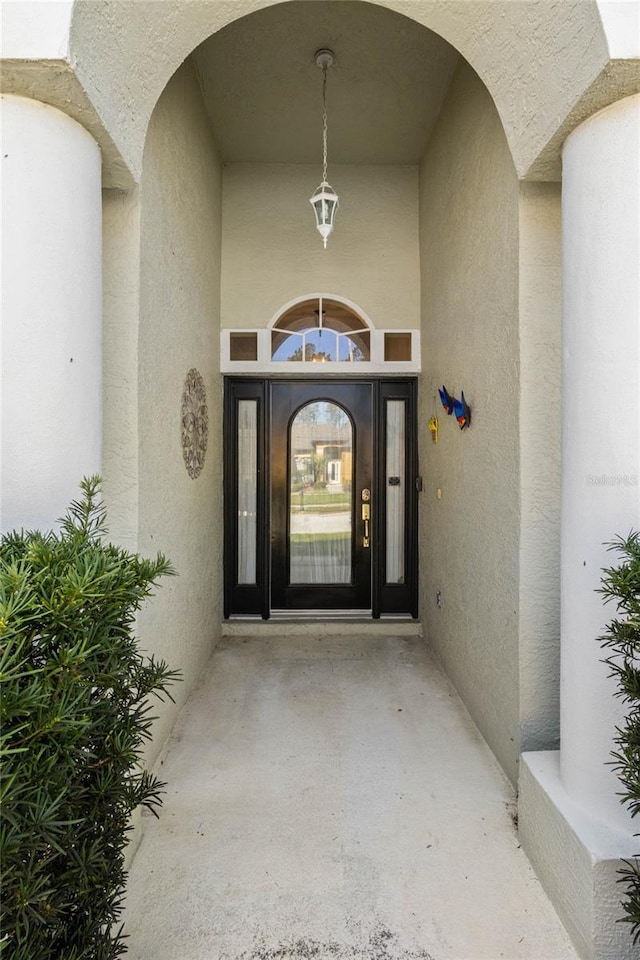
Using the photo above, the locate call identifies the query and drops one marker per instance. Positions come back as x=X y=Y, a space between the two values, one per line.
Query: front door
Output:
x=320 y=497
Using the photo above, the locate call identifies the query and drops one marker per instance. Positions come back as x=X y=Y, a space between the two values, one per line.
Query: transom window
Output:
x=327 y=331
x=320 y=331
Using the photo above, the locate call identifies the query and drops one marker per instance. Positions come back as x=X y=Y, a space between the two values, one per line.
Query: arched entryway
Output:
x=426 y=241
x=198 y=239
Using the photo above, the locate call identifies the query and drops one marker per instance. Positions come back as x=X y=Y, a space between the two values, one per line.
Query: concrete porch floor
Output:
x=331 y=798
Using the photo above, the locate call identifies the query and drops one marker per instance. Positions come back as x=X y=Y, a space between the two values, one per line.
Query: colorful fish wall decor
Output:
x=460 y=408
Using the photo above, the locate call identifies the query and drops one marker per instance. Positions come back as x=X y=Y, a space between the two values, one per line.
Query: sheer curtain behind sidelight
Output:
x=247 y=489
x=320 y=495
x=395 y=464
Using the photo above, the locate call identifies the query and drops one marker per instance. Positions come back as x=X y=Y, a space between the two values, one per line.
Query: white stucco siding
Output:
x=51 y=312
x=35 y=29
x=469 y=538
x=540 y=472
x=272 y=252
x=601 y=429
x=621 y=23
x=179 y=307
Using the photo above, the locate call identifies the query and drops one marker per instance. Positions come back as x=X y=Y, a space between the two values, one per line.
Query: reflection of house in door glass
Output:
x=320 y=506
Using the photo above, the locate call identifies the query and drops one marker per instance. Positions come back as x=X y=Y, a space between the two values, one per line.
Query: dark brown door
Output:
x=322 y=496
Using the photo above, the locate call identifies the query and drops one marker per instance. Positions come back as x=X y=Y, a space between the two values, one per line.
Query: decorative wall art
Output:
x=460 y=407
x=194 y=423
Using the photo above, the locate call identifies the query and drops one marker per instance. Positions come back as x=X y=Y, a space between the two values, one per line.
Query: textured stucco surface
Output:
x=545 y=62
x=55 y=83
x=469 y=538
x=576 y=858
x=572 y=822
x=600 y=451
x=272 y=252
x=539 y=437
x=179 y=302
x=51 y=375
x=536 y=57
x=121 y=310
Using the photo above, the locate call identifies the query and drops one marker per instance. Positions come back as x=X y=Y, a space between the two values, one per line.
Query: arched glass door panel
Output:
x=321 y=467
x=320 y=495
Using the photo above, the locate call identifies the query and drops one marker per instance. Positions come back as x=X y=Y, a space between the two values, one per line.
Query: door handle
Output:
x=366 y=516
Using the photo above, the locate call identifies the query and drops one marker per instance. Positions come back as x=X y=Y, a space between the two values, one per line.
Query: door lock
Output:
x=366 y=516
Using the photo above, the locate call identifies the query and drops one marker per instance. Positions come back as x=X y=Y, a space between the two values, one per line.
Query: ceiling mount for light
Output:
x=325 y=58
x=324 y=200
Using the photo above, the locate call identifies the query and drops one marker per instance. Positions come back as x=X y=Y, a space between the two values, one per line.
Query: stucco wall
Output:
x=121 y=308
x=469 y=538
x=272 y=252
x=537 y=58
x=540 y=281
x=51 y=336
x=179 y=317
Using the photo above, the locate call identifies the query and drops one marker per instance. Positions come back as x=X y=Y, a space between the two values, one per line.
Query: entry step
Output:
x=335 y=627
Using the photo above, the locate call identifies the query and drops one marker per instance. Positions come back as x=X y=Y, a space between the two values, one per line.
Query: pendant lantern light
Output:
x=324 y=200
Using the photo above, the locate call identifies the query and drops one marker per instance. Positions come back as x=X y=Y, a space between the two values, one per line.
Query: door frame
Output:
x=254 y=600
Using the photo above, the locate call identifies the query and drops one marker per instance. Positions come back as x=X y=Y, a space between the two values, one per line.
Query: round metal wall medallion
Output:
x=195 y=423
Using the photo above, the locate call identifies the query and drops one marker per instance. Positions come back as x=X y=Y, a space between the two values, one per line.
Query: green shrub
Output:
x=75 y=715
x=622 y=584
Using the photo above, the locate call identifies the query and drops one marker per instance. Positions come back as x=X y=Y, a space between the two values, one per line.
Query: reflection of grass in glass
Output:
x=321 y=509
x=321 y=497
x=317 y=537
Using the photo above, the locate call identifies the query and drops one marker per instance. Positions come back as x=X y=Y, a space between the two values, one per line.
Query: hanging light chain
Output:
x=324 y=123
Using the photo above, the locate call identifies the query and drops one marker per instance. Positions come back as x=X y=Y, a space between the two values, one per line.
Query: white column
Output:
x=51 y=312
x=600 y=429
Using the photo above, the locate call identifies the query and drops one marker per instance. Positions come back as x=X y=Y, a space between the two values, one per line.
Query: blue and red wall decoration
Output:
x=460 y=408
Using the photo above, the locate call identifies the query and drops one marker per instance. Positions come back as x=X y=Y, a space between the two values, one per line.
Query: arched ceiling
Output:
x=263 y=90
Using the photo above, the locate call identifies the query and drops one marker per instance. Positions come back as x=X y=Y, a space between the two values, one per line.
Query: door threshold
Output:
x=303 y=615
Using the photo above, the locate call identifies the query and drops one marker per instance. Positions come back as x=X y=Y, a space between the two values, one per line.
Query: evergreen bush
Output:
x=75 y=714
x=622 y=638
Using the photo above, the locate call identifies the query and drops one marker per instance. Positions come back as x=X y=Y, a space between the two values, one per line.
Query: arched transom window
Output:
x=327 y=331
x=320 y=331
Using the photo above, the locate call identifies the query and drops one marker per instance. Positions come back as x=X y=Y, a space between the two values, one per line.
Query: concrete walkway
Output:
x=330 y=798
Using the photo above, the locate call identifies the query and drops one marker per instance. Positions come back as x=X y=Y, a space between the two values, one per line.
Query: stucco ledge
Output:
x=576 y=858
